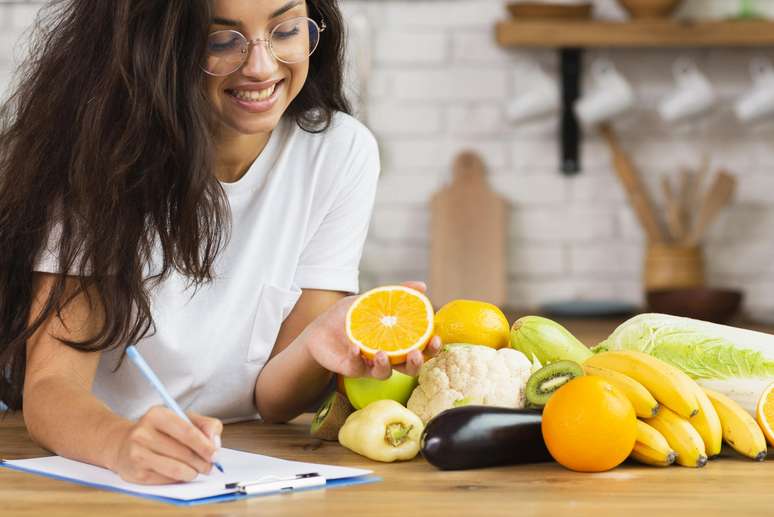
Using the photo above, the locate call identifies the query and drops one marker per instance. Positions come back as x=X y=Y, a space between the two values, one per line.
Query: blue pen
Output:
x=137 y=359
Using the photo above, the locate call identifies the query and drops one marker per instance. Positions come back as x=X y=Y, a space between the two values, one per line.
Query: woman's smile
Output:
x=256 y=97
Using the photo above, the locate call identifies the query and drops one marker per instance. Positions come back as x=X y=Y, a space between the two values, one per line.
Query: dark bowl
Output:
x=701 y=303
x=650 y=9
x=543 y=10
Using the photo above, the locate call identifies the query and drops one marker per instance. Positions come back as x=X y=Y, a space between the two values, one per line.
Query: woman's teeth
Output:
x=253 y=95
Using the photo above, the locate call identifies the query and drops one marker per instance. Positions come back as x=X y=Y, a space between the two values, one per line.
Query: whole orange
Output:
x=589 y=425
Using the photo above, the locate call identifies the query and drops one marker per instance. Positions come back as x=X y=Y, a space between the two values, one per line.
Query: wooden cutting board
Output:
x=468 y=236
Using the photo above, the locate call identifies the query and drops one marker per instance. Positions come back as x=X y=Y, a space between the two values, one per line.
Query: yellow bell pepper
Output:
x=382 y=431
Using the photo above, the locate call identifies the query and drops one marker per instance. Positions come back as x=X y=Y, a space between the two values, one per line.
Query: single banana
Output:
x=681 y=436
x=707 y=423
x=670 y=386
x=644 y=404
x=651 y=448
x=740 y=430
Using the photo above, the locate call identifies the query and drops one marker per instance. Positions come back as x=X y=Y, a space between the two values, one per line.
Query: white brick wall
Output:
x=569 y=237
x=399 y=47
x=16 y=17
x=439 y=84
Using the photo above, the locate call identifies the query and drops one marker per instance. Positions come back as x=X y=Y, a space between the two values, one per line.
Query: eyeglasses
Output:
x=291 y=41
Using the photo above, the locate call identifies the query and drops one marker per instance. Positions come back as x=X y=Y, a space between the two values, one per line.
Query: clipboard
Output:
x=251 y=475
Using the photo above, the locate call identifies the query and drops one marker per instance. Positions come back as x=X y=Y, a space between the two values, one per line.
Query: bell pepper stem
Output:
x=397 y=433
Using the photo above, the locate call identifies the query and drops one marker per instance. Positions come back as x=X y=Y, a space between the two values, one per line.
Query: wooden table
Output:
x=729 y=485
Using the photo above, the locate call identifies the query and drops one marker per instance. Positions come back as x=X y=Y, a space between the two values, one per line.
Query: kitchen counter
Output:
x=729 y=485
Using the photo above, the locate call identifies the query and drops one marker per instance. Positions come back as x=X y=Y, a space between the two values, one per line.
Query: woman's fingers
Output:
x=171 y=468
x=149 y=477
x=433 y=348
x=416 y=359
x=413 y=364
x=415 y=284
x=354 y=364
x=381 y=368
x=211 y=427
x=166 y=421
x=359 y=366
x=163 y=445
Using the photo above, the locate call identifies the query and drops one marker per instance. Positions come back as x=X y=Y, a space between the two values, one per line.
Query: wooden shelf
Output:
x=571 y=37
x=584 y=33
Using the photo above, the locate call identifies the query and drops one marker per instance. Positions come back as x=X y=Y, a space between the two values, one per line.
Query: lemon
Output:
x=474 y=322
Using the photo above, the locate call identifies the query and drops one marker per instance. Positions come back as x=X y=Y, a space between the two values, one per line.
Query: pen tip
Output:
x=218 y=466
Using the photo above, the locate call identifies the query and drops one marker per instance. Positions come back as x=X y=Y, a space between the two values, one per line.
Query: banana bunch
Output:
x=740 y=430
x=651 y=448
x=678 y=420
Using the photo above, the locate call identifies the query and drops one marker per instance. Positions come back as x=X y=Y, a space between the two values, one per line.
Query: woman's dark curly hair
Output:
x=106 y=142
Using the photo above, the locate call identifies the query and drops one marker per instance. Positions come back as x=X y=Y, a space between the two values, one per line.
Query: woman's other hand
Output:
x=329 y=345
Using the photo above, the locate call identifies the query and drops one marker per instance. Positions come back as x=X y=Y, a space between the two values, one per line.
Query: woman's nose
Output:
x=260 y=63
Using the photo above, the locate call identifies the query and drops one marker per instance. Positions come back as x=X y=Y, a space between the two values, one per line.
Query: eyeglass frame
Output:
x=267 y=41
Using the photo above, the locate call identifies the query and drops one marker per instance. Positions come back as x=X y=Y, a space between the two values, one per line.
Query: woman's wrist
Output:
x=290 y=381
x=116 y=430
x=309 y=340
x=311 y=337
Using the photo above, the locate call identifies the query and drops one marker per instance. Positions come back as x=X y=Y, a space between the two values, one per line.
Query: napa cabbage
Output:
x=733 y=361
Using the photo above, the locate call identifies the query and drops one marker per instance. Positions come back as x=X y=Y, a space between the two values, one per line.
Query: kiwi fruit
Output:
x=330 y=417
x=544 y=382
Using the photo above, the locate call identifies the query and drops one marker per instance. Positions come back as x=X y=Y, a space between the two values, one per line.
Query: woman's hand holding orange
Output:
x=330 y=345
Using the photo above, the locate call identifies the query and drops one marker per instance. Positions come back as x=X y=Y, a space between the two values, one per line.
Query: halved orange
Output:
x=394 y=319
x=764 y=413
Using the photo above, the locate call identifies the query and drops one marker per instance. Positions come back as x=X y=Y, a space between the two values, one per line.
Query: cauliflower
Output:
x=470 y=374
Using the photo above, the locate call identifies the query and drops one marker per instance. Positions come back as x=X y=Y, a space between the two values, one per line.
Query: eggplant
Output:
x=470 y=437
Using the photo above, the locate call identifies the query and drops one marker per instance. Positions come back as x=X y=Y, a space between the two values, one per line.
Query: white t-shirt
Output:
x=300 y=215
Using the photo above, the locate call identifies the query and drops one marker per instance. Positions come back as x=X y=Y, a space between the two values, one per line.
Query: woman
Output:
x=184 y=176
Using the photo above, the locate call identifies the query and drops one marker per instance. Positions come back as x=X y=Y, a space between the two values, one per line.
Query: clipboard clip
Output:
x=270 y=484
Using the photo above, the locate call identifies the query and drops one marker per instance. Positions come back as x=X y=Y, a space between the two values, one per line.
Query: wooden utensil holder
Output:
x=672 y=267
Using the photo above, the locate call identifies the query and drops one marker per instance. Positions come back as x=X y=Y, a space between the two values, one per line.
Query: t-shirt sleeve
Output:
x=331 y=258
x=47 y=260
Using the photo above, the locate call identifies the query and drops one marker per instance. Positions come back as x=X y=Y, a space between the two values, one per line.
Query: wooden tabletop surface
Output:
x=730 y=485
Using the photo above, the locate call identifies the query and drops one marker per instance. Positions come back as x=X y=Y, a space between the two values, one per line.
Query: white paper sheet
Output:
x=239 y=466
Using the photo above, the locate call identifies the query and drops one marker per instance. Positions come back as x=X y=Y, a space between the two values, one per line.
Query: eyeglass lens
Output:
x=292 y=41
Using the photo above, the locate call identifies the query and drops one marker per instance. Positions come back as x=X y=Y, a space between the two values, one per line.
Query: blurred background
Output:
x=431 y=80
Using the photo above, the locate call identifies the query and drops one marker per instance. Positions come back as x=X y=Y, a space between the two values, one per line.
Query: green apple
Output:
x=361 y=391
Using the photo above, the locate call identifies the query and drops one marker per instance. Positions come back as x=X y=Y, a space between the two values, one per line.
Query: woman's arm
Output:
x=59 y=410
x=311 y=346
x=291 y=380
x=63 y=415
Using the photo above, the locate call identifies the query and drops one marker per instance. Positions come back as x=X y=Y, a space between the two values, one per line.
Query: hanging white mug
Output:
x=692 y=96
x=611 y=94
x=758 y=102
x=540 y=99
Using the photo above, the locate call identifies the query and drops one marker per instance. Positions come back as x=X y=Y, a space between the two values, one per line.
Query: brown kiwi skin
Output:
x=339 y=409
